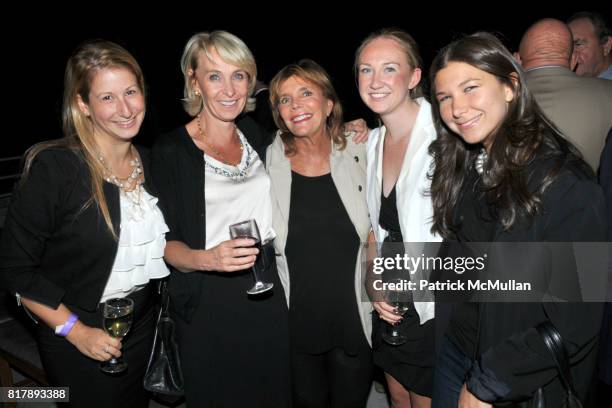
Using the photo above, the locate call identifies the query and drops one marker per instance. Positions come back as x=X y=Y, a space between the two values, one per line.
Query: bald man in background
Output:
x=580 y=107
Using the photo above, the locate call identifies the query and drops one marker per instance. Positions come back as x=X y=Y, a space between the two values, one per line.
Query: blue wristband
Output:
x=64 y=329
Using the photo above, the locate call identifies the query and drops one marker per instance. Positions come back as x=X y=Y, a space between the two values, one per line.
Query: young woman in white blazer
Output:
x=318 y=179
x=388 y=69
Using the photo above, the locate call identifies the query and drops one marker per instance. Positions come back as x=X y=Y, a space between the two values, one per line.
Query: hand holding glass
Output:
x=249 y=229
x=118 y=316
x=398 y=296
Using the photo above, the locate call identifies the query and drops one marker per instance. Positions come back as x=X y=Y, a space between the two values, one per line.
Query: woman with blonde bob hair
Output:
x=230 y=48
x=320 y=217
x=233 y=346
x=84 y=227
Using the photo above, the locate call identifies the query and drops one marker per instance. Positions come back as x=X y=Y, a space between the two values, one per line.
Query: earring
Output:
x=196 y=92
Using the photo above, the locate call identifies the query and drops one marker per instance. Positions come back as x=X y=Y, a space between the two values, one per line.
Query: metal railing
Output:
x=6 y=194
x=9 y=159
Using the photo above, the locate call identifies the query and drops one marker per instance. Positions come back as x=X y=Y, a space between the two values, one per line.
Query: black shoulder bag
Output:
x=552 y=339
x=164 y=375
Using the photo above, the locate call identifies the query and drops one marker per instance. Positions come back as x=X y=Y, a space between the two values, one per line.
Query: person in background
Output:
x=579 y=106
x=592 y=44
x=261 y=112
x=84 y=227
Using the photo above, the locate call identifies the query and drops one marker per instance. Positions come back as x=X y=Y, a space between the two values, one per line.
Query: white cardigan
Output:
x=413 y=201
x=348 y=171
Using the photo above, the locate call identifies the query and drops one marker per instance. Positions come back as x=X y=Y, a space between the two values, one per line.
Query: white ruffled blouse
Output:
x=142 y=239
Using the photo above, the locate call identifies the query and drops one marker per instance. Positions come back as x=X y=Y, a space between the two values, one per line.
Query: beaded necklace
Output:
x=132 y=183
x=481 y=161
x=220 y=155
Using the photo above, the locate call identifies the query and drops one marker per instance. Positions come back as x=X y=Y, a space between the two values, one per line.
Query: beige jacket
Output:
x=348 y=170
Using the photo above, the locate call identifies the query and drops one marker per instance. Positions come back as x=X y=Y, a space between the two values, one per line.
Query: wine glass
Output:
x=118 y=316
x=397 y=295
x=248 y=229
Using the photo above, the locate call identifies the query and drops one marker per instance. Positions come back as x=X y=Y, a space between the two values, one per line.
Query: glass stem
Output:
x=255 y=275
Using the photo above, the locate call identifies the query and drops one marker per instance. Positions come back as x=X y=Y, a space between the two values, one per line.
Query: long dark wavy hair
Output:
x=524 y=133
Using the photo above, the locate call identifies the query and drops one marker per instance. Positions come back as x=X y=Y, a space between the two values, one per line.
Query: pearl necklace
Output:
x=132 y=184
x=480 y=161
x=220 y=155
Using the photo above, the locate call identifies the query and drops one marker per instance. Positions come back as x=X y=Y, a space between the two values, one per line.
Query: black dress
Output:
x=411 y=363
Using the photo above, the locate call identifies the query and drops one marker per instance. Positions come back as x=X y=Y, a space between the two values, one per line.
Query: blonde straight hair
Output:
x=87 y=60
x=230 y=48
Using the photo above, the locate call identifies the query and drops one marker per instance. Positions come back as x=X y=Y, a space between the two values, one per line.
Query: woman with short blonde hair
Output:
x=234 y=346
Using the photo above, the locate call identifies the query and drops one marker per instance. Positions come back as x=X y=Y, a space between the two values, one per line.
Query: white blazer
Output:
x=412 y=189
x=348 y=171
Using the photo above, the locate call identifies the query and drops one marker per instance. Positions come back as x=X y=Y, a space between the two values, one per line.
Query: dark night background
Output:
x=42 y=46
x=37 y=42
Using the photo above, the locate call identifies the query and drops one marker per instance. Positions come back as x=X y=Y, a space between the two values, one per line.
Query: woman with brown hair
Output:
x=84 y=227
x=320 y=217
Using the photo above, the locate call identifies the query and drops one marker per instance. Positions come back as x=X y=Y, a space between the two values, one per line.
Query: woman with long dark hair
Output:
x=504 y=173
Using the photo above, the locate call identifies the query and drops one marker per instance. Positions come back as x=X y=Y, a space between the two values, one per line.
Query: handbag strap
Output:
x=554 y=343
x=164 y=297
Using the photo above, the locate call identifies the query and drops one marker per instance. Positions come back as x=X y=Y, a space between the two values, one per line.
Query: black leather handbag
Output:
x=552 y=339
x=164 y=375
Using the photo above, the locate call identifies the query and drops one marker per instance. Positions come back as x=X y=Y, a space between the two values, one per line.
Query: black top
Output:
x=53 y=250
x=393 y=244
x=389 y=217
x=321 y=250
x=476 y=223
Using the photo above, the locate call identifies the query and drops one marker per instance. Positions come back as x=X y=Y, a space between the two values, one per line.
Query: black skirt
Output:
x=235 y=350
x=411 y=363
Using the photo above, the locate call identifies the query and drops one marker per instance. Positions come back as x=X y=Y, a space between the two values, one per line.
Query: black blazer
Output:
x=512 y=359
x=53 y=249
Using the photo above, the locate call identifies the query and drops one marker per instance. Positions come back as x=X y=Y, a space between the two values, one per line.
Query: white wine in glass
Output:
x=118 y=316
